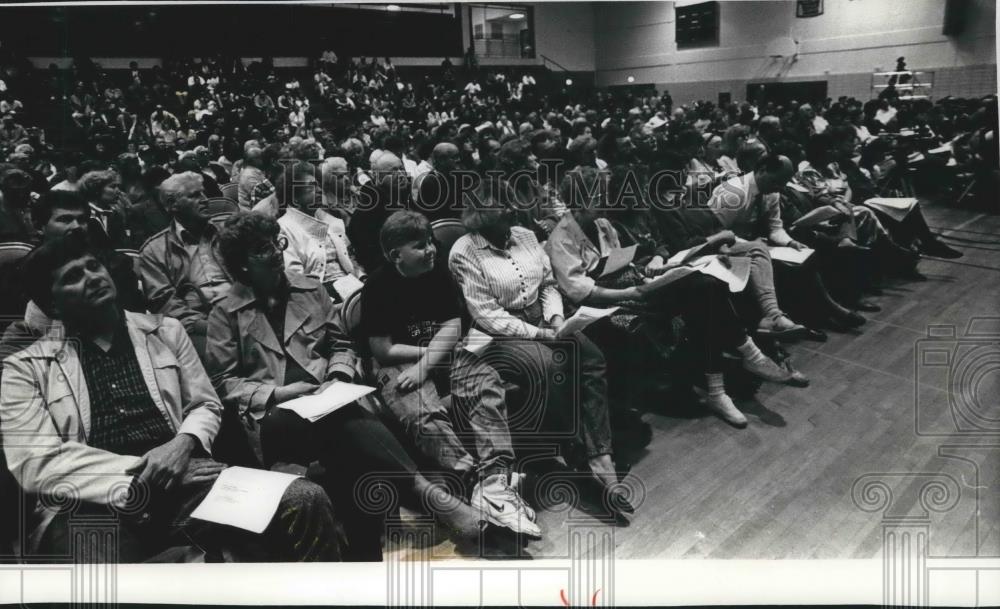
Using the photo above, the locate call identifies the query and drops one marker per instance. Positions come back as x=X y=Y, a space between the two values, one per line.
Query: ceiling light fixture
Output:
x=630 y=79
x=393 y=8
x=516 y=15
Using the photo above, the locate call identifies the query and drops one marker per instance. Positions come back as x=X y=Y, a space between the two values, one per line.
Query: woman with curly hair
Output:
x=277 y=336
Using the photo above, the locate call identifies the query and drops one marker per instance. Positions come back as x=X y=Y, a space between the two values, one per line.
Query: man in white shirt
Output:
x=885 y=113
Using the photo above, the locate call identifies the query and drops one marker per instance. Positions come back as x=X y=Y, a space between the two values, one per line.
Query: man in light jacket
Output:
x=111 y=415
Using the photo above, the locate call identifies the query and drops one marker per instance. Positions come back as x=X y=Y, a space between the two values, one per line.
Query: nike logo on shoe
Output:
x=496 y=507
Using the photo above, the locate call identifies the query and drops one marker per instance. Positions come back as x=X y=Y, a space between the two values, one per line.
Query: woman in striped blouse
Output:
x=510 y=293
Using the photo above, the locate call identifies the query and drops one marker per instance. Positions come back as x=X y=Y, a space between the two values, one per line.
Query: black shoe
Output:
x=834 y=324
x=912 y=275
x=798 y=379
x=815 y=335
x=616 y=499
x=938 y=249
x=897 y=257
x=842 y=322
x=853 y=319
x=867 y=306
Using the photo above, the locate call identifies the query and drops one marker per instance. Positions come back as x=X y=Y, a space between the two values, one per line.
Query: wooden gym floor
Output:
x=874 y=425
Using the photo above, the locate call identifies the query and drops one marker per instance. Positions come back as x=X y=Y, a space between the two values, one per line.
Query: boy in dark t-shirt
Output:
x=412 y=316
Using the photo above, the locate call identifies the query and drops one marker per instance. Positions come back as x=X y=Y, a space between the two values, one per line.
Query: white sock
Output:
x=751 y=353
x=716 y=386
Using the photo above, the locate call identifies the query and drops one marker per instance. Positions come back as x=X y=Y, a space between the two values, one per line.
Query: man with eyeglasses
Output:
x=182 y=271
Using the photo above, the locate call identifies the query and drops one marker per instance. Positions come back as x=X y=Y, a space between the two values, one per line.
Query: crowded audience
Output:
x=204 y=241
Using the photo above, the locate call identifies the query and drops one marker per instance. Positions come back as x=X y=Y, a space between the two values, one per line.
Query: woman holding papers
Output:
x=276 y=337
x=750 y=207
x=671 y=231
x=909 y=225
x=584 y=237
x=507 y=282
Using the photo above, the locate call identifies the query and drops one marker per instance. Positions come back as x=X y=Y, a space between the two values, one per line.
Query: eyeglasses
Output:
x=266 y=250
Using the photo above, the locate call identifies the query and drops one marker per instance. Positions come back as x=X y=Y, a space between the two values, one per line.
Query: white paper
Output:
x=666 y=278
x=679 y=256
x=618 y=258
x=347 y=285
x=243 y=497
x=583 y=317
x=316 y=406
x=735 y=275
x=816 y=216
x=790 y=254
x=476 y=341
x=682 y=256
x=896 y=208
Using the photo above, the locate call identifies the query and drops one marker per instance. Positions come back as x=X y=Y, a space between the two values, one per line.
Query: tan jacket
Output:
x=45 y=411
x=164 y=264
x=246 y=359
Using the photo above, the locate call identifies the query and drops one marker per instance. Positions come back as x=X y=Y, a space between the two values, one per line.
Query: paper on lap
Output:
x=583 y=317
x=316 y=406
x=690 y=253
x=896 y=208
x=736 y=275
x=816 y=216
x=243 y=497
x=347 y=285
x=667 y=278
x=617 y=259
x=790 y=254
x=476 y=341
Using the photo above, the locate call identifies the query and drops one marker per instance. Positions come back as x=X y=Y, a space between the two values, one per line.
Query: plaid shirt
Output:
x=124 y=420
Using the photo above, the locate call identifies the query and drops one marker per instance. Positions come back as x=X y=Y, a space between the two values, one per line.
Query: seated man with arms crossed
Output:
x=116 y=407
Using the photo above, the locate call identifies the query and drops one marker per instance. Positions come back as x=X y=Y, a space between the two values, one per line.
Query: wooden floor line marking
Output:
x=871 y=369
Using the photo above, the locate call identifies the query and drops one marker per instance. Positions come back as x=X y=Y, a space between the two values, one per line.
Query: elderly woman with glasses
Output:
x=276 y=337
x=511 y=295
x=578 y=248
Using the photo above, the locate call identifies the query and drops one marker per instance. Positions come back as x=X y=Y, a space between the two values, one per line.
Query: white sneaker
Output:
x=497 y=500
x=515 y=483
x=723 y=406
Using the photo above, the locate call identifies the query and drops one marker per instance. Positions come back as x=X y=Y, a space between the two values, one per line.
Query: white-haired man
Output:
x=182 y=271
